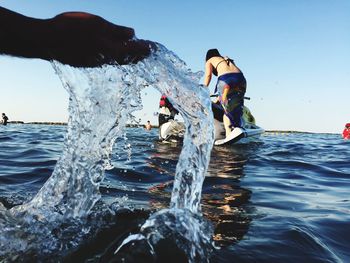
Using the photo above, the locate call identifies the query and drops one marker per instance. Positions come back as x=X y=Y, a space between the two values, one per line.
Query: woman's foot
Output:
x=233 y=136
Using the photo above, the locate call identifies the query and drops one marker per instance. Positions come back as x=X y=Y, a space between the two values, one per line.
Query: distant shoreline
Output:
x=65 y=123
x=156 y=127
x=38 y=122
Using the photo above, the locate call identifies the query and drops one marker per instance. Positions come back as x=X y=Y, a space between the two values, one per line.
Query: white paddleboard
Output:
x=235 y=135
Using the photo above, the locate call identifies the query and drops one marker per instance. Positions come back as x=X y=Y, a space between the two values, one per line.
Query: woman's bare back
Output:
x=222 y=67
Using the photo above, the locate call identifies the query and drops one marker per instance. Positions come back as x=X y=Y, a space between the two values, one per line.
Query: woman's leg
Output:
x=227 y=124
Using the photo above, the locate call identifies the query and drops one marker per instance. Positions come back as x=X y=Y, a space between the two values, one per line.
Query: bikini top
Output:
x=228 y=61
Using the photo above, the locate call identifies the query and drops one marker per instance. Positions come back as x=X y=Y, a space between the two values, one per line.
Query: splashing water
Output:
x=191 y=233
x=101 y=101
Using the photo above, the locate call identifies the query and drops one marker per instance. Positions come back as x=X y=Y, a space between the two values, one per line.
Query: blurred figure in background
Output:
x=346 y=132
x=166 y=111
x=148 y=126
x=4 y=119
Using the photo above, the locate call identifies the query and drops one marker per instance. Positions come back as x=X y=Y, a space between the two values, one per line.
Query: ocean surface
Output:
x=282 y=198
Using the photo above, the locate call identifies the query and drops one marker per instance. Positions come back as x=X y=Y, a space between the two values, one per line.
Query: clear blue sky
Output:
x=295 y=55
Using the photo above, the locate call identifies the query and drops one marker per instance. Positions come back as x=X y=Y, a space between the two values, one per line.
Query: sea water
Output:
x=283 y=198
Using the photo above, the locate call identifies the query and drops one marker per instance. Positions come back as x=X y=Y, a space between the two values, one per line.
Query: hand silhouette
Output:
x=75 y=38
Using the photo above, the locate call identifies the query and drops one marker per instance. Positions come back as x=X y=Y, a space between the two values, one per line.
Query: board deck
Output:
x=235 y=135
x=238 y=133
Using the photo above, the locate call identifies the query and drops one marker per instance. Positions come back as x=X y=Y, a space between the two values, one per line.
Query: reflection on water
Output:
x=223 y=199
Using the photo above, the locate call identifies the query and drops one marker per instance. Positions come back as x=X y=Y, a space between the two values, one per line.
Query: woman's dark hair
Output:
x=212 y=53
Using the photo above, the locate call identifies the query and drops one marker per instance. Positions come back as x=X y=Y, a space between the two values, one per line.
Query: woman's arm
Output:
x=208 y=72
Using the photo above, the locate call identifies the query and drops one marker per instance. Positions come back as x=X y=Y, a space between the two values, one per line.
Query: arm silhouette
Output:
x=75 y=38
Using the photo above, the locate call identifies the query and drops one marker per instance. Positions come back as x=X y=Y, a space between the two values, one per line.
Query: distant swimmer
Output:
x=346 y=132
x=75 y=38
x=4 y=119
x=148 y=126
x=231 y=86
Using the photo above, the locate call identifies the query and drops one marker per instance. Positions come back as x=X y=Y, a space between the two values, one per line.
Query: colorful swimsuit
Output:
x=236 y=83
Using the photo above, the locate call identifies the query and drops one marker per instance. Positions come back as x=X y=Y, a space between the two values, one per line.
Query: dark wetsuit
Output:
x=236 y=84
x=4 y=120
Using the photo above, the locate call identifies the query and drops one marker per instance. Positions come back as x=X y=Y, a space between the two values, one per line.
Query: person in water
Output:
x=4 y=119
x=167 y=111
x=231 y=86
x=346 y=132
x=148 y=126
x=75 y=38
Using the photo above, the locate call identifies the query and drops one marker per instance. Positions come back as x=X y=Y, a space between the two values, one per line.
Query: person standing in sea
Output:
x=4 y=119
x=231 y=86
x=148 y=126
